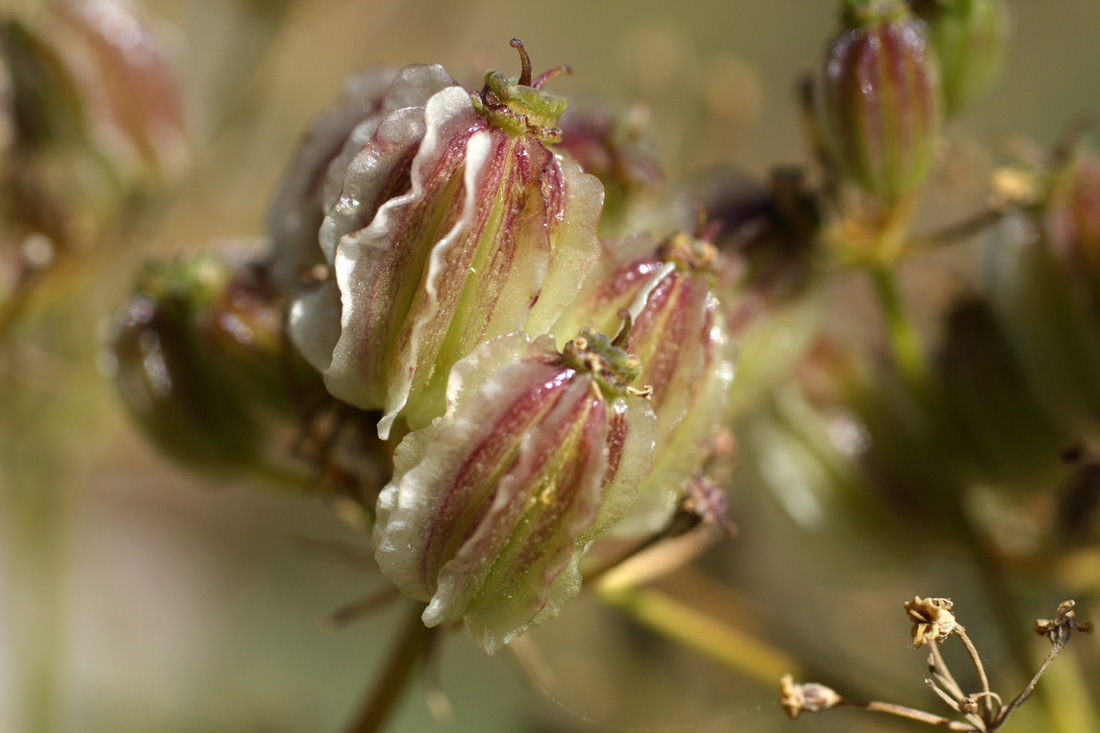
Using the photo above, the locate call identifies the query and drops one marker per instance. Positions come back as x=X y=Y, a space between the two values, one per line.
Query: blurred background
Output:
x=135 y=596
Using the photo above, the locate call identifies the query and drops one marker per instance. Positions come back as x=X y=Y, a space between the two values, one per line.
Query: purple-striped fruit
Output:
x=879 y=99
x=687 y=358
x=491 y=507
x=455 y=224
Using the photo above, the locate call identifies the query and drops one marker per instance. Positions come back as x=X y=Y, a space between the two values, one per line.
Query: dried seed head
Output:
x=1065 y=620
x=932 y=619
x=805 y=698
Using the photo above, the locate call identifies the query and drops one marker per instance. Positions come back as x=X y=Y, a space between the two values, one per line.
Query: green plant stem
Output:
x=731 y=647
x=963 y=230
x=394 y=678
x=904 y=341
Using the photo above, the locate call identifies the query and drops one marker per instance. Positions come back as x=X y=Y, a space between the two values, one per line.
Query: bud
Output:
x=491 y=507
x=492 y=233
x=92 y=73
x=1043 y=272
x=808 y=697
x=614 y=147
x=970 y=37
x=768 y=235
x=675 y=327
x=90 y=113
x=199 y=358
x=879 y=102
x=1072 y=224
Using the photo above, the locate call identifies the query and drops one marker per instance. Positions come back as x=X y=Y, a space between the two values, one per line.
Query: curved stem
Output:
x=957 y=232
x=394 y=678
x=903 y=712
x=731 y=647
x=1026 y=692
x=1013 y=628
x=939 y=670
x=983 y=678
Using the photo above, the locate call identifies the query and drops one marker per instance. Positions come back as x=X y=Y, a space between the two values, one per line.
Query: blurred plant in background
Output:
x=531 y=356
x=92 y=121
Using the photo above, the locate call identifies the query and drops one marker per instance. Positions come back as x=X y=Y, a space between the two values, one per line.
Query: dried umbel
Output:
x=456 y=224
x=491 y=508
x=984 y=710
x=878 y=99
x=1065 y=620
x=932 y=619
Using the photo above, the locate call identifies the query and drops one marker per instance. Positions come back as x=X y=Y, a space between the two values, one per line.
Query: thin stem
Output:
x=912 y=714
x=1017 y=701
x=939 y=669
x=393 y=680
x=736 y=649
x=902 y=333
x=815 y=136
x=654 y=557
x=1000 y=598
x=360 y=607
x=983 y=679
x=955 y=232
x=951 y=702
x=954 y=705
